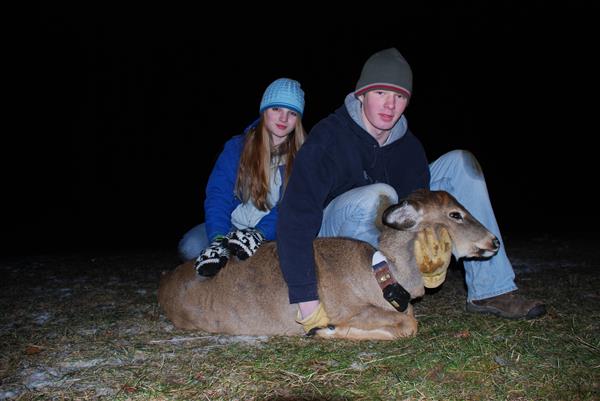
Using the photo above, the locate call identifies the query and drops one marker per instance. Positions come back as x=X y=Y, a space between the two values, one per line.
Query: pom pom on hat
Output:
x=283 y=92
x=387 y=70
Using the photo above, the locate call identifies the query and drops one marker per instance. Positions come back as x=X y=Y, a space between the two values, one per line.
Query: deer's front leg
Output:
x=373 y=323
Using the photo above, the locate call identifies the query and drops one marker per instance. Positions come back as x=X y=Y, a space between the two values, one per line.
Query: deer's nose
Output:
x=496 y=243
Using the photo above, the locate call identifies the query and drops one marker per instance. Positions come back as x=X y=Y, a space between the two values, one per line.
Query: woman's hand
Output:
x=243 y=243
x=213 y=258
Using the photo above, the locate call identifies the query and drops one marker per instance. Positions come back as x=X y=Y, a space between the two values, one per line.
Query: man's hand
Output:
x=433 y=251
x=315 y=321
x=243 y=243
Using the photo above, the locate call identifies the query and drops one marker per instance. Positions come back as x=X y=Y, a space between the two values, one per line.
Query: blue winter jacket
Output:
x=338 y=155
x=221 y=199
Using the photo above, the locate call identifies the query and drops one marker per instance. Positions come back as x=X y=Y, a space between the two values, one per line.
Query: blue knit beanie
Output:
x=283 y=92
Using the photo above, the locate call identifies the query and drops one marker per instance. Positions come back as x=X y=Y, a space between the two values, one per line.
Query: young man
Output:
x=358 y=154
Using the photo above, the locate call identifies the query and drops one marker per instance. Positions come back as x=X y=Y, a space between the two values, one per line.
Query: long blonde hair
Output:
x=252 y=182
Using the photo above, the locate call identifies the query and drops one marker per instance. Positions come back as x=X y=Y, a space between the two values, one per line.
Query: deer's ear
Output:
x=402 y=216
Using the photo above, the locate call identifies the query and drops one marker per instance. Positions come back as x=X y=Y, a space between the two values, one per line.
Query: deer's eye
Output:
x=455 y=216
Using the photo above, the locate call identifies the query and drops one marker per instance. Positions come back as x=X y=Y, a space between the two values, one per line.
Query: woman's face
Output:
x=279 y=122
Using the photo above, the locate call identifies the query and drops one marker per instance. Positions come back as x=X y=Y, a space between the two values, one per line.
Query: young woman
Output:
x=247 y=182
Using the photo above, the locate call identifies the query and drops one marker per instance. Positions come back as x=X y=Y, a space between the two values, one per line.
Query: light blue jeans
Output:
x=353 y=214
x=193 y=243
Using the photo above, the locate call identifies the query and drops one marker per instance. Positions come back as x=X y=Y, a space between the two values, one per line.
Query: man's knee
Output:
x=376 y=196
x=356 y=213
x=372 y=201
x=466 y=160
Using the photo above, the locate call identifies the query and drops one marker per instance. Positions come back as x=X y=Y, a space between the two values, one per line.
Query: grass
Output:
x=88 y=327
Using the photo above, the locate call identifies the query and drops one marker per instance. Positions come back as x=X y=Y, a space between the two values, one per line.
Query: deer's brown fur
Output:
x=250 y=297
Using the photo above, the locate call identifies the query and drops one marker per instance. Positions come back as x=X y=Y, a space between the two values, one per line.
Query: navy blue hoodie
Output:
x=338 y=155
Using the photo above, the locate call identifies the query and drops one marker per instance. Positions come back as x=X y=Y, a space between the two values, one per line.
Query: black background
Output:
x=121 y=111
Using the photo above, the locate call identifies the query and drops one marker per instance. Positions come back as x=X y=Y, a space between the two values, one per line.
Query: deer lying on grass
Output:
x=250 y=297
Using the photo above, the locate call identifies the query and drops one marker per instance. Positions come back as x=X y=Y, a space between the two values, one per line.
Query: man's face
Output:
x=382 y=109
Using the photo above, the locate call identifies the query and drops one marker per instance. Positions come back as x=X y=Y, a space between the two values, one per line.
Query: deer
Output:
x=250 y=297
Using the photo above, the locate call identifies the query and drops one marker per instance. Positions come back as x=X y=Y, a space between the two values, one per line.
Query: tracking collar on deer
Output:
x=393 y=292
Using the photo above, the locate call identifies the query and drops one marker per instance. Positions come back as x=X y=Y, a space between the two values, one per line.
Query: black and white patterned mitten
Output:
x=243 y=243
x=213 y=258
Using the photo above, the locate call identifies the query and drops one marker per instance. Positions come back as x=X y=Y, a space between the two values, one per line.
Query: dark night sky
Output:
x=123 y=111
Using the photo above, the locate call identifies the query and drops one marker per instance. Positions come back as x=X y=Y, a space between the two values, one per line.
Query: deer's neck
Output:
x=398 y=248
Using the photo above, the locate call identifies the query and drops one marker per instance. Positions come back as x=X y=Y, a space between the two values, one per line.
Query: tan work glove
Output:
x=316 y=320
x=433 y=252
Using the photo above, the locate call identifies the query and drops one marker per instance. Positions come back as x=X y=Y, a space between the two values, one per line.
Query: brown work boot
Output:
x=510 y=305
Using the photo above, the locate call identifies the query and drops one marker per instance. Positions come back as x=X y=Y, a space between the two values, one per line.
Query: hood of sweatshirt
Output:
x=354 y=108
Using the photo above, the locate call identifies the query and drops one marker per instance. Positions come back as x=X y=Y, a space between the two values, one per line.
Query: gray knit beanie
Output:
x=387 y=70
